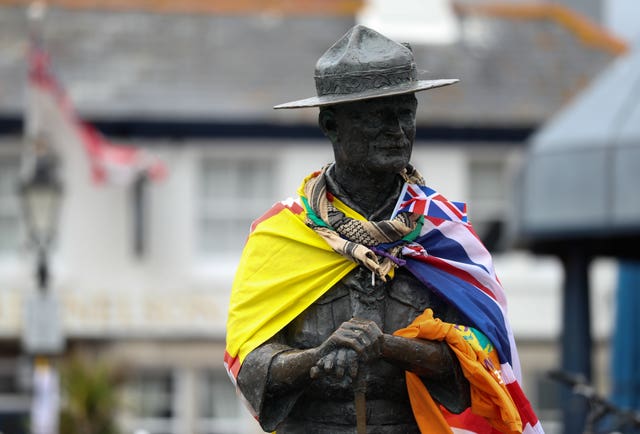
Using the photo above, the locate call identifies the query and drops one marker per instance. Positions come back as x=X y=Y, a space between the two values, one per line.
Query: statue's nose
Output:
x=391 y=124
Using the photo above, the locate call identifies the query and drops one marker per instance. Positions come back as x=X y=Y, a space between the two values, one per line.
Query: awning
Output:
x=581 y=181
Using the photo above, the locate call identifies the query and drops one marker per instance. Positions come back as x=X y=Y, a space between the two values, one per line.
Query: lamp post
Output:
x=40 y=197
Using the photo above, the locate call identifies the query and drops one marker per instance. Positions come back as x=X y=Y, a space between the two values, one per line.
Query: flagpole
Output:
x=32 y=125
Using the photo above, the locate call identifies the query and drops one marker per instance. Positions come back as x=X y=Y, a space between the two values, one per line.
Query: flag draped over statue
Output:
x=286 y=266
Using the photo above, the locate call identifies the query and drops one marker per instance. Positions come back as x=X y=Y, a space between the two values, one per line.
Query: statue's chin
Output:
x=389 y=165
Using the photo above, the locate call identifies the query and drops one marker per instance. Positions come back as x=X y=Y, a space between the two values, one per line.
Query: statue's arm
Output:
x=290 y=369
x=274 y=375
x=435 y=364
x=272 y=378
x=424 y=358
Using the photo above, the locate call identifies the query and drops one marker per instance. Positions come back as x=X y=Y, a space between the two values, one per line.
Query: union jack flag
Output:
x=449 y=258
x=421 y=199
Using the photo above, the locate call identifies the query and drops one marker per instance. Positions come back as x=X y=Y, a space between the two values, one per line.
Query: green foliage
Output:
x=90 y=398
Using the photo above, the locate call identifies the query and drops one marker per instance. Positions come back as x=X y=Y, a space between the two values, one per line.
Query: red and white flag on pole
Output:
x=117 y=164
x=110 y=162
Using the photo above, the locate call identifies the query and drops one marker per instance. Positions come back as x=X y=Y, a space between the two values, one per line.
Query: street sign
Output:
x=42 y=330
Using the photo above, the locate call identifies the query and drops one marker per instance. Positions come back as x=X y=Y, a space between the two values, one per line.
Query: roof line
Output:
x=208 y=7
x=585 y=30
x=246 y=129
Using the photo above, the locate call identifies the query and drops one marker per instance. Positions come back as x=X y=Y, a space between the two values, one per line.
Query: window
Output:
x=233 y=193
x=488 y=200
x=148 y=402
x=16 y=401
x=9 y=205
x=182 y=399
x=219 y=407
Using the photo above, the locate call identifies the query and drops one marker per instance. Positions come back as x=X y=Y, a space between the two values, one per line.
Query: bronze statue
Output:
x=333 y=364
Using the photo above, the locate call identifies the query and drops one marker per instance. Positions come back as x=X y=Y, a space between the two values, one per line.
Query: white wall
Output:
x=96 y=265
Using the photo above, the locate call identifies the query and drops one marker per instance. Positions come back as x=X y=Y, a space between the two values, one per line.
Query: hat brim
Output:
x=416 y=86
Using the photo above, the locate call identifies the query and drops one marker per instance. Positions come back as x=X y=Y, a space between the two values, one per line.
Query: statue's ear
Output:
x=327 y=121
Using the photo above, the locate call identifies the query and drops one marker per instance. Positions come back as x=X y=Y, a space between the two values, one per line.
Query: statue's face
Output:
x=376 y=135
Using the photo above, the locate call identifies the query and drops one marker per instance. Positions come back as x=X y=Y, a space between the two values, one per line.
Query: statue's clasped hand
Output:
x=354 y=341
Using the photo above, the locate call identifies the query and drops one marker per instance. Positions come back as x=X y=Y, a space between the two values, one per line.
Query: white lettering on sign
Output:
x=138 y=312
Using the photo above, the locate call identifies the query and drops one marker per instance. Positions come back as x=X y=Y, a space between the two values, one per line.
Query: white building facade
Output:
x=163 y=313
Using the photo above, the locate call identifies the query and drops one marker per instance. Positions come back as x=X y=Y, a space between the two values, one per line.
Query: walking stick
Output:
x=359 y=392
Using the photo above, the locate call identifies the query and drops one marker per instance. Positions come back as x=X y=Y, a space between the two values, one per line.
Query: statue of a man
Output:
x=339 y=308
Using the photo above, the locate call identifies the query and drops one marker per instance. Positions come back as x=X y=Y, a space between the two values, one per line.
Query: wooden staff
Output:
x=359 y=392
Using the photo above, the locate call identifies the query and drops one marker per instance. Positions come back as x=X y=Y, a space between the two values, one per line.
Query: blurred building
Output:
x=144 y=278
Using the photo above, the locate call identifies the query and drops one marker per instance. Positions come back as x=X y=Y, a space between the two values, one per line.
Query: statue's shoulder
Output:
x=285 y=207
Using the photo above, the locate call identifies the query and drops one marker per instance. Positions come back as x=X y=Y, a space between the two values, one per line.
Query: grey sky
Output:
x=623 y=17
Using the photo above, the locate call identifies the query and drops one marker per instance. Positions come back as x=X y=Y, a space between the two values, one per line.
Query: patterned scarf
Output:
x=358 y=240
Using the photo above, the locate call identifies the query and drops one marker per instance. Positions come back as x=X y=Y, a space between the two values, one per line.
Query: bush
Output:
x=90 y=400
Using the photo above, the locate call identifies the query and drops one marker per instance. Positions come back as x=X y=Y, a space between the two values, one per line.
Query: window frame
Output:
x=153 y=424
x=490 y=215
x=10 y=202
x=232 y=211
x=210 y=423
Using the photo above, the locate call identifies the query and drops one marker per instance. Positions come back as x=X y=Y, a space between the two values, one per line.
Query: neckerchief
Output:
x=356 y=239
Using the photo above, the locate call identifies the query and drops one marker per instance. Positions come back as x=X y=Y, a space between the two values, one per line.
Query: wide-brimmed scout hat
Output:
x=364 y=64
